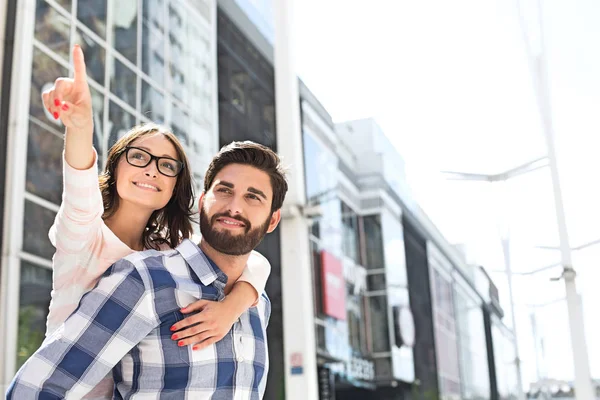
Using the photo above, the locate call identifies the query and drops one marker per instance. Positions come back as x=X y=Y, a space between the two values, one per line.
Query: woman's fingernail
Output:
x=180 y=343
x=56 y=102
x=65 y=107
x=174 y=337
x=173 y=329
x=196 y=348
x=55 y=115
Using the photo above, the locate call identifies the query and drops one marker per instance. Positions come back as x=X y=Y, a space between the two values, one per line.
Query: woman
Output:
x=144 y=200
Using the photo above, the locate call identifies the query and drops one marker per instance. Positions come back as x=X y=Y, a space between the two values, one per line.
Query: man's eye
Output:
x=253 y=197
x=223 y=190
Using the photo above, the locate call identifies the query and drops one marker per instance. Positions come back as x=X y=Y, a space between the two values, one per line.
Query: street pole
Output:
x=300 y=360
x=583 y=380
x=509 y=276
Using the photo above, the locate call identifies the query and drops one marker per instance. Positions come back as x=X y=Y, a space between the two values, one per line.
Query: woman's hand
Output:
x=206 y=327
x=70 y=99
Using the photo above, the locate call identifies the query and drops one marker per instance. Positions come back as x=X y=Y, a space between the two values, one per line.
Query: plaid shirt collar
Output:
x=205 y=269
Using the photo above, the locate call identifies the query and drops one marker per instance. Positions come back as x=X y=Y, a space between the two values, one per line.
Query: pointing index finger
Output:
x=79 y=64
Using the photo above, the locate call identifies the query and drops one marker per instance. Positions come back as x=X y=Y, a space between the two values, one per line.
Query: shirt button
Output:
x=240 y=359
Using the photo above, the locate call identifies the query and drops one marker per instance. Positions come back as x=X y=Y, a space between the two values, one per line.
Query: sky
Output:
x=450 y=85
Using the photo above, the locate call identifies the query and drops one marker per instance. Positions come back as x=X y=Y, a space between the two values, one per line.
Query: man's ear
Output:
x=275 y=218
x=200 y=202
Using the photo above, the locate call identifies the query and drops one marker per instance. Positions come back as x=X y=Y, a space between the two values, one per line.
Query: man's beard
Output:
x=227 y=243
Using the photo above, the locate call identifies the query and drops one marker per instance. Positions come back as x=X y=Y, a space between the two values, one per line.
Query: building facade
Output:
x=151 y=60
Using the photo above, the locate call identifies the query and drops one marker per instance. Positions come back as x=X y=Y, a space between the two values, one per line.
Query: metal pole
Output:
x=583 y=381
x=507 y=264
x=300 y=360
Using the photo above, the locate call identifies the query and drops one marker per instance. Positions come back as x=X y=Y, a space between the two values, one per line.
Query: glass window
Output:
x=44 y=164
x=376 y=282
x=153 y=40
x=65 y=3
x=121 y=122
x=153 y=103
x=317 y=281
x=98 y=109
x=52 y=28
x=350 y=233
x=92 y=13
x=34 y=300
x=123 y=82
x=44 y=72
x=472 y=347
x=37 y=223
x=95 y=56
x=180 y=121
x=378 y=314
x=125 y=28
x=179 y=35
x=356 y=324
x=446 y=339
x=374 y=242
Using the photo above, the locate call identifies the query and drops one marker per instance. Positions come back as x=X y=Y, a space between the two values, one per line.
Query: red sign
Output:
x=334 y=286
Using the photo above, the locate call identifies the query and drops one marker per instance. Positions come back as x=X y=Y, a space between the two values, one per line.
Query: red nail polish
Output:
x=65 y=107
x=56 y=102
x=55 y=115
x=173 y=329
x=174 y=337
x=196 y=348
x=180 y=343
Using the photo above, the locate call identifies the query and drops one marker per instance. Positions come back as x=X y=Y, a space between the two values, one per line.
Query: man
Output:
x=126 y=323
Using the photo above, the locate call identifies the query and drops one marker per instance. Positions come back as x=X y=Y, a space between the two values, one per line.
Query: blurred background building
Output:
x=399 y=312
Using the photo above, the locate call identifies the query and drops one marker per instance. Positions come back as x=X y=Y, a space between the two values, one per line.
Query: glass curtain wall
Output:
x=150 y=60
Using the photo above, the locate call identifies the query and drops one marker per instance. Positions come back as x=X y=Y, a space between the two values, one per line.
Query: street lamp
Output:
x=528 y=167
x=538 y=68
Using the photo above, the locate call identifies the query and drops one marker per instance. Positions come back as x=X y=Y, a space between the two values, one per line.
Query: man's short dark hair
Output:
x=257 y=156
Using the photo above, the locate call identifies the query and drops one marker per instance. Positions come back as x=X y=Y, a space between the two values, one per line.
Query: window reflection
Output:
x=374 y=242
x=153 y=103
x=317 y=279
x=153 y=40
x=446 y=340
x=37 y=223
x=121 y=122
x=472 y=347
x=44 y=72
x=93 y=15
x=44 y=164
x=98 y=109
x=36 y=284
x=125 y=28
x=123 y=82
x=379 y=323
x=179 y=41
x=65 y=3
x=180 y=124
x=356 y=324
x=52 y=28
x=95 y=56
x=350 y=233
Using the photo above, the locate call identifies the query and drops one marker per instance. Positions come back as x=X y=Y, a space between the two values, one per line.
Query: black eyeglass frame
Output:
x=153 y=157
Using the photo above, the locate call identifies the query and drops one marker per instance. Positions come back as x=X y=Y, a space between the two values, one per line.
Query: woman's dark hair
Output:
x=255 y=155
x=172 y=223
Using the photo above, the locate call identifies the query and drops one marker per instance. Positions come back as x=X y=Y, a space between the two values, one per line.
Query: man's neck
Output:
x=232 y=266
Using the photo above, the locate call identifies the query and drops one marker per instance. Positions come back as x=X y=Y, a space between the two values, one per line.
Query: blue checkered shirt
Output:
x=123 y=325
